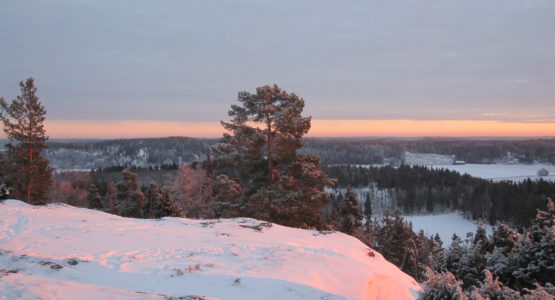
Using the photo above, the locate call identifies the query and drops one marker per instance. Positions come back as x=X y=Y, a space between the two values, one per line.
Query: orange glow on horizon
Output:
x=320 y=128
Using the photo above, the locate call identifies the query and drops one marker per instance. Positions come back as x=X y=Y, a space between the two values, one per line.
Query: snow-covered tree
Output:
x=505 y=238
x=540 y=292
x=534 y=258
x=441 y=286
x=493 y=289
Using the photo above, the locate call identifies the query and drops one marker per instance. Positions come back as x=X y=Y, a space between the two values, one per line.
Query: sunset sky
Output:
x=107 y=69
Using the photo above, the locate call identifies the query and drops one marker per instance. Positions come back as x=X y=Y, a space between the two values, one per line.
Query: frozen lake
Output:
x=444 y=225
x=498 y=172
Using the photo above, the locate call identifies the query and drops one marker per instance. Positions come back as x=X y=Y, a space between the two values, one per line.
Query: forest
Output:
x=421 y=190
x=152 y=152
x=262 y=172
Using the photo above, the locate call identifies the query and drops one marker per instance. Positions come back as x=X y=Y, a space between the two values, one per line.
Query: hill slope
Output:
x=59 y=252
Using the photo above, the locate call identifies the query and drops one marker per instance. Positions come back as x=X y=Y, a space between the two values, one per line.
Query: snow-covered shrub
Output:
x=442 y=285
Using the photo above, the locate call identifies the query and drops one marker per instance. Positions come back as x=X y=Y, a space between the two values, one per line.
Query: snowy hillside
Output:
x=62 y=252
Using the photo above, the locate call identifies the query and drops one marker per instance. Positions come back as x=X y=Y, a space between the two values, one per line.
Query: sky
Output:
x=364 y=68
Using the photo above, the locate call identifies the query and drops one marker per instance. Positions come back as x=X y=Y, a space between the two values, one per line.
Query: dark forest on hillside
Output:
x=419 y=190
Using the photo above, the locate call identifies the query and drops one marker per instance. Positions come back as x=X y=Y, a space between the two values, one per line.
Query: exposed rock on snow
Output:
x=63 y=252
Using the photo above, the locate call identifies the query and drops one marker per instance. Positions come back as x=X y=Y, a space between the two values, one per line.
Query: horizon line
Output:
x=383 y=129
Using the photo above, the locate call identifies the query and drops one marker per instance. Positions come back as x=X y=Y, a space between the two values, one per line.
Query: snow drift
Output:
x=62 y=252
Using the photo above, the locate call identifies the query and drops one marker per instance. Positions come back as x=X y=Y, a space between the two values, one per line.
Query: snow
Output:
x=444 y=225
x=498 y=172
x=428 y=159
x=62 y=252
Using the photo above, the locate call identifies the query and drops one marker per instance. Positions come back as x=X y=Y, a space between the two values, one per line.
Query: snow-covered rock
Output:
x=62 y=252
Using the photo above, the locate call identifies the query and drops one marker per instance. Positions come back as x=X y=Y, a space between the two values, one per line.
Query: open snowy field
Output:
x=498 y=172
x=62 y=252
x=444 y=225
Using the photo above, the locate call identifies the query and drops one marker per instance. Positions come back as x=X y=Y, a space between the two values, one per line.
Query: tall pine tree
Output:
x=260 y=152
x=27 y=170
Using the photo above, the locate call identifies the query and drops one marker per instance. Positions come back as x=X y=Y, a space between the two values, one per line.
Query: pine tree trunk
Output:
x=270 y=158
x=29 y=168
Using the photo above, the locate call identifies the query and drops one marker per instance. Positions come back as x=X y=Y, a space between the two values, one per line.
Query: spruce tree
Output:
x=350 y=212
x=441 y=286
x=27 y=170
x=129 y=198
x=368 y=208
x=493 y=289
x=534 y=258
x=93 y=197
x=158 y=203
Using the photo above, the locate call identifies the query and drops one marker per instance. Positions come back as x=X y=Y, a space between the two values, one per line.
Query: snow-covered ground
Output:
x=498 y=172
x=428 y=159
x=62 y=252
x=444 y=225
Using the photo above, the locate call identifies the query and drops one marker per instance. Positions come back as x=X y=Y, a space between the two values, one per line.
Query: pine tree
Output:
x=279 y=114
x=296 y=197
x=94 y=198
x=260 y=151
x=28 y=171
x=129 y=199
x=227 y=197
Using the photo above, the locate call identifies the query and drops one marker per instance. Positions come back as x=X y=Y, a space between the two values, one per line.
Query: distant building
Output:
x=459 y=162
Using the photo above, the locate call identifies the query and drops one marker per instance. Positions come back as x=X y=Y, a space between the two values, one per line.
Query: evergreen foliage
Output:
x=351 y=214
x=228 y=195
x=129 y=199
x=520 y=263
x=93 y=197
x=441 y=286
x=417 y=190
x=493 y=289
x=260 y=154
x=158 y=203
x=368 y=209
x=26 y=169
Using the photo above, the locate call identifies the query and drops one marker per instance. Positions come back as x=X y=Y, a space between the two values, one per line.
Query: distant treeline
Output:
x=488 y=151
x=423 y=190
x=146 y=152
x=177 y=150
